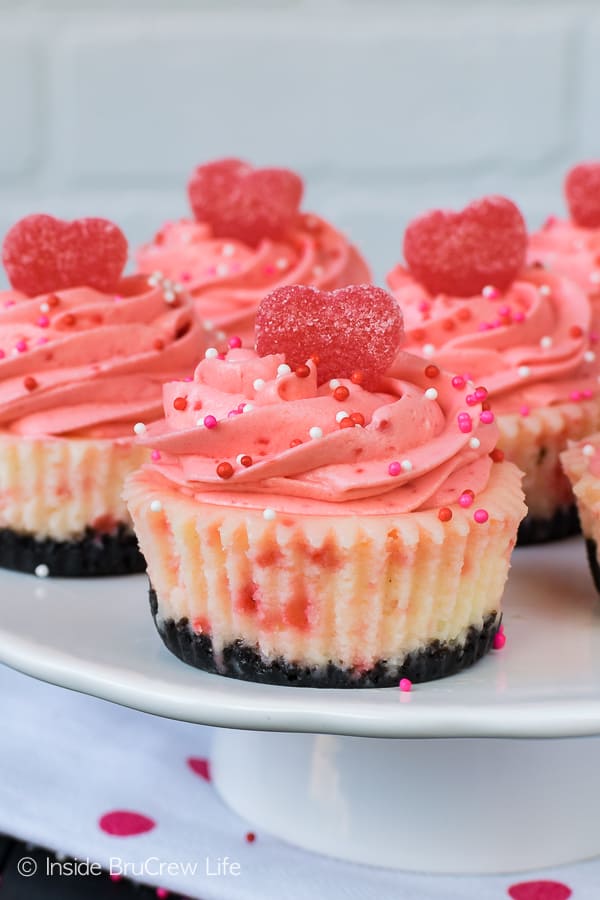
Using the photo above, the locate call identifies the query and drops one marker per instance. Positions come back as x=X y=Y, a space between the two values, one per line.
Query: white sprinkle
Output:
x=406 y=465
x=178 y=288
x=139 y=428
x=334 y=383
x=222 y=269
x=44 y=308
x=42 y=571
x=269 y=514
x=317 y=270
x=315 y=432
x=155 y=278
x=431 y=394
x=156 y=506
x=248 y=408
x=546 y=342
x=200 y=422
x=588 y=450
x=474 y=443
x=545 y=290
x=258 y=384
x=283 y=369
x=595 y=277
x=282 y=263
x=208 y=325
x=220 y=335
x=589 y=356
x=428 y=350
x=341 y=415
x=523 y=371
x=489 y=292
x=167 y=284
x=211 y=353
x=169 y=296
x=228 y=250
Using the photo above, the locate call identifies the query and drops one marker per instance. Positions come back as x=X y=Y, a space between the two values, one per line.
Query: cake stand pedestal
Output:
x=491 y=770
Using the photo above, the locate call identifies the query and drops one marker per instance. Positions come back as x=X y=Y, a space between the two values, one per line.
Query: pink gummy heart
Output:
x=42 y=254
x=582 y=190
x=539 y=890
x=356 y=328
x=460 y=253
x=244 y=203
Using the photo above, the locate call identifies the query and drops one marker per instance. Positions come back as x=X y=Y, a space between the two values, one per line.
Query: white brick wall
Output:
x=386 y=106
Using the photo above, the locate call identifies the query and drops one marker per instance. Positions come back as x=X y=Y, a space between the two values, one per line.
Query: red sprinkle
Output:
x=497 y=455
x=357 y=418
x=159 y=344
x=245 y=460
x=444 y=514
x=347 y=422
x=341 y=392
x=295 y=442
x=431 y=371
x=250 y=837
x=69 y=319
x=30 y=383
x=302 y=371
x=180 y=403
x=357 y=377
x=575 y=331
x=224 y=470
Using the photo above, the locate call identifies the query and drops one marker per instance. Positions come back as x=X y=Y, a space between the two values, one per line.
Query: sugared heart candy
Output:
x=582 y=189
x=460 y=253
x=354 y=329
x=244 y=203
x=42 y=254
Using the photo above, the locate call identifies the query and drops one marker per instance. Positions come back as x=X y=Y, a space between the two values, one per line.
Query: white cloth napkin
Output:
x=69 y=763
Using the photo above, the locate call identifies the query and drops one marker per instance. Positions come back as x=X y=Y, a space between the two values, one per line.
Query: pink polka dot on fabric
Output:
x=200 y=767
x=124 y=823
x=539 y=890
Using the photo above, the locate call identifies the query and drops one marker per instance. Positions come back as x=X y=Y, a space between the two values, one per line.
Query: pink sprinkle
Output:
x=499 y=640
x=504 y=311
x=185 y=276
x=405 y=684
x=497 y=323
x=524 y=410
x=118 y=298
x=518 y=316
x=594 y=337
x=458 y=382
x=575 y=395
x=115 y=877
x=2 y=354
x=394 y=468
x=481 y=516
x=42 y=340
x=484 y=326
x=8 y=303
x=21 y=346
x=487 y=417
x=232 y=413
x=220 y=356
x=471 y=399
x=235 y=267
x=481 y=394
x=465 y=423
x=188 y=378
x=155 y=455
x=162 y=893
x=424 y=306
x=43 y=321
x=234 y=342
x=210 y=422
x=587 y=394
x=212 y=270
x=465 y=500
x=269 y=270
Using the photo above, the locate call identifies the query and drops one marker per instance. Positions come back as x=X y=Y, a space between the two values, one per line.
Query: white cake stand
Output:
x=496 y=769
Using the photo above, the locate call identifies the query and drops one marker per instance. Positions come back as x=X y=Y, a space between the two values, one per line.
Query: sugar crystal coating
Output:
x=42 y=254
x=461 y=253
x=582 y=190
x=359 y=327
x=244 y=203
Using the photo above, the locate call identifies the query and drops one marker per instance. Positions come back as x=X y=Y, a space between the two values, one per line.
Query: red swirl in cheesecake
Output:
x=81 y=362
x=249 y=430
x=531 y=345
x=228 y=278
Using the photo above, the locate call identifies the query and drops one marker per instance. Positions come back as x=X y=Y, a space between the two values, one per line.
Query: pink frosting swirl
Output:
x=567 y=249
x=530 y=346
x=83 y=362
x=406 y=453
x=228 y=278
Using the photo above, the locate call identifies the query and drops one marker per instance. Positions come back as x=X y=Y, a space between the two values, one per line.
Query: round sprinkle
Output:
x=235 y=342
x=228 y=249
x=43 y=322
x=523 y=371
x=225 y=470
x=481 y=516
x=139 y=428
x=247 y=408
x=428 y=350
x=21 y=346
x=42 y=570
x=589 y=356
x=524 y=410
x=29 y=383
x=486 y=417
x=431 y=371
x=159 y=344
x=220 y=335
x=394 y=468
x=44 y=308
x=341 y=415
x=69 y=319
x=497 y=455
x=334 y=383
x=250 y=836
x=357 y=377
x=295 y=442
x=341 y=393
x=405 y=685
x=302 y=371
x=546 y=342
x=490 y=292
x=348 y=422
x=169 y=296
x=243 y=459
x=282 y=264
x=155 y=506
x=155 y=455
x=499 y=640
x=444 y=514
x=545 y=290
x=358 y=418
x=595 y=277
x=588 y=450
x=221 y=270
x=269 y=514
x=481 y=394
x=315 y=432
x=406 y=465
x=211 y=353
x=575 y=331
x=258 y=384
x=458 y=382
x=474 y=443
x=466 y=499
x=180 y=403
x=431 y=394
x=465 y=423
x=283 y=369
x=209 y=422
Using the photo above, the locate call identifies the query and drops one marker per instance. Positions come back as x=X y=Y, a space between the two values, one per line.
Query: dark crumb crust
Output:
x=92 y=555
x=563 y=524
x=239 y=660
x=592 y=552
